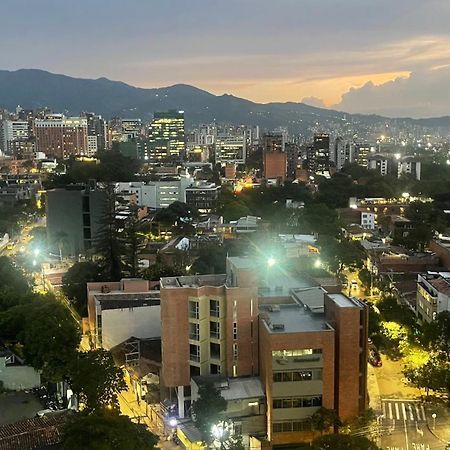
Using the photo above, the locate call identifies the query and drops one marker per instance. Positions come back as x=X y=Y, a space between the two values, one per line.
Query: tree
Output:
x=106 y=430
x=74 y=283
x=13 y=283
x=343 y=442
x=324 y=419
x=436 y=334
x=433 y=375
x=339 y=254
x=211 y=259
x=207 y=408
x=134 y=239
x=50 y=337
x=107 y=242
x=96 y=380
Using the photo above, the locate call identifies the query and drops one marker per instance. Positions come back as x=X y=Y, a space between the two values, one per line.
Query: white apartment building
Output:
x=156 y=194
x=12 y=130
x=409 y=166
x=368 y=220
x=433 y=295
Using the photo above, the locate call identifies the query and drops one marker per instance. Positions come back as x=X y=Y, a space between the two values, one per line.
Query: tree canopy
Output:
x=207 y=408
x=74 y=283
x=106 y=430
x=96 y=380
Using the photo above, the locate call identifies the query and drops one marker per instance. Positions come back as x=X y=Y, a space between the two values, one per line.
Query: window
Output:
x=235 y=351
x=194 y=331
x=193 y=309
x=297 y=402
x=214 y=351
x=235 y=330
x=214 y=330
x=194 y=371
x=214 y=308
x=194 y=352
x=214 y=369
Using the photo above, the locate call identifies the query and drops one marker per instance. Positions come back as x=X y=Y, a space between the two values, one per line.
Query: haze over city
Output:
x=384 y=57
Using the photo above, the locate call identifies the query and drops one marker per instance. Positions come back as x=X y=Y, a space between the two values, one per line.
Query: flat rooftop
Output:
x=194 y=281
x=291 y=319
x=343 y=301
x=119 y=300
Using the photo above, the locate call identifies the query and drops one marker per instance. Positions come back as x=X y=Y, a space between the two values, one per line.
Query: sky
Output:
x=384 y=56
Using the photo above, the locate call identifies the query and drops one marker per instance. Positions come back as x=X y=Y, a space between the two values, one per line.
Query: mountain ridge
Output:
x=37 y=88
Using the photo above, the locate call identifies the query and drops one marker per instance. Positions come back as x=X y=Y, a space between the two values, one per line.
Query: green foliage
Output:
x=13 y=284
x=365 y=277
x=210 y=260
x=107 y=243
x=106 y=430
x=343 y=442
x=207 y=408
x=134 y=240
x=74 y=283
x=433 y=375
x=96 y=380
x=436 y=334
x=113 y=167
x=324 y=419
x=340 y=254
x=161 y=270
x=50 y=337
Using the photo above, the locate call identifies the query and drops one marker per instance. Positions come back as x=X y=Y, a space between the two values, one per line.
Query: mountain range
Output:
x=32 y=88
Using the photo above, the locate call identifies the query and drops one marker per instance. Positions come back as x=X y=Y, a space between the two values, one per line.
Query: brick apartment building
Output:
x=308 y=347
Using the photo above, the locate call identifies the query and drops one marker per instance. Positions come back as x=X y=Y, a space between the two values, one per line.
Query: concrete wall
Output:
x=120 y=324
x=18 y=377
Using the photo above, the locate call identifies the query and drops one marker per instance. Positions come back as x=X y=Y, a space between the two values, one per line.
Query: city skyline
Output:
x=383 y=58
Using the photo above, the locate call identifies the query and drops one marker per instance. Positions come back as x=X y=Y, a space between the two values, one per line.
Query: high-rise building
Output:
x=97 y=130
x=130 y=129
x=342 y=153
x=167 y=135
x=13 y=131
x=274 y=157
x=231 y=147
x=61 y=137
x=408 y=165
x=318 y=157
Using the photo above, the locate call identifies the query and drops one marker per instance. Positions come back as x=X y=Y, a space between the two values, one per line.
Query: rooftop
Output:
x=311 y=298
x=239 y=388
x=119 y=300
x=35 y=433
x=343 y=301
x=291 y=319
x=194 y=281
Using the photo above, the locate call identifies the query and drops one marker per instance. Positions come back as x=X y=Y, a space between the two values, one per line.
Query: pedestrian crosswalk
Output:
x=408 y=410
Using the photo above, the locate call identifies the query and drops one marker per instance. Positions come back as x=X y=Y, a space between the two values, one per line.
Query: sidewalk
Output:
x=439 y=427
x=373 y=390
x=138 y=412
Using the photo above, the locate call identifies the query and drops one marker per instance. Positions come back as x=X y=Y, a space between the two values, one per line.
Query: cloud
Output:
x=423 y=94
x=314 y=101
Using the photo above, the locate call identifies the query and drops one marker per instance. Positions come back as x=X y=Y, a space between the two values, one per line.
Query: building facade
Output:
x=167 y=135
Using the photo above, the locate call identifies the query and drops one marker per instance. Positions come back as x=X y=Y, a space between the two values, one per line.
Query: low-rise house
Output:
x=15 y=374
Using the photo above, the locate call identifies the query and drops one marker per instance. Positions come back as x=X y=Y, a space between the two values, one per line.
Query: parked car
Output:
x=374 y=358
x=354 y=284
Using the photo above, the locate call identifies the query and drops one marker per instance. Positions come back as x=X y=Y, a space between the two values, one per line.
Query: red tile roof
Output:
x=32 y=433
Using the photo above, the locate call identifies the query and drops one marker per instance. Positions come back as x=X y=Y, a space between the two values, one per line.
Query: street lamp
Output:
x=434 y=420
x=271 y=261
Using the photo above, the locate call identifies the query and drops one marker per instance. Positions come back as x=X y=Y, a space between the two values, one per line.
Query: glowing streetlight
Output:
x=271 y=261
x=36 y=252
x=173 y=422
x=434 y=420
x=318 y=263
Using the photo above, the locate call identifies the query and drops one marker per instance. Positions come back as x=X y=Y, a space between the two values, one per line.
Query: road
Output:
x=405 y=426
